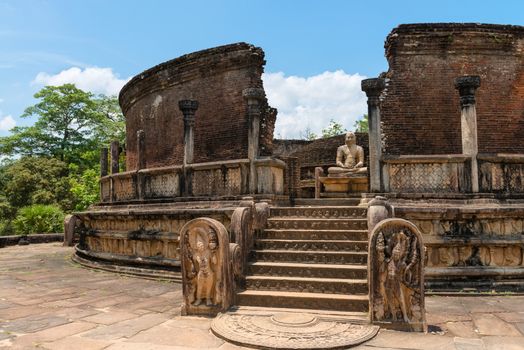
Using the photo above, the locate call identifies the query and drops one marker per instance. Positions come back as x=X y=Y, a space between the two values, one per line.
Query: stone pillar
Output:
x=467 y=85
x=140 y=149
x=103 y=162
x=188 y=108
x=254 y=98
x=373 y=88
x=115 y=157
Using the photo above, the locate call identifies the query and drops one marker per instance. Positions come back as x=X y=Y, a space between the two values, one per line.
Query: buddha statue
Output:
x=350 y=159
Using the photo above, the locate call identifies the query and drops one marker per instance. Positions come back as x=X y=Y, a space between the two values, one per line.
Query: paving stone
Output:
x=75 y=342
x=410 y=340
x=21 y=311
x=520 y=327
x=110 y=317
x=488 y=324
x=52 y=334
x=144 y=346
x=33 y=323
x=511 y=316
x=464 y=329
x=126 y=328
x=503 y=343
x=170 y=332
x=434 y=319
x=468 y=344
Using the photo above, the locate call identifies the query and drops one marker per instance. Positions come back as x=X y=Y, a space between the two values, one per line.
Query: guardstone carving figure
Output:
x=207 y=274
x=396 y=277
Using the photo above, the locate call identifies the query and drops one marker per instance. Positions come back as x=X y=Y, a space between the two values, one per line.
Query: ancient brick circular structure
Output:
x=420 y=111
x=215 y=78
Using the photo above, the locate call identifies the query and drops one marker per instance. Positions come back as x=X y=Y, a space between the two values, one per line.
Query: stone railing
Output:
x=502 y=173
x=426 y=173
x=224 y=178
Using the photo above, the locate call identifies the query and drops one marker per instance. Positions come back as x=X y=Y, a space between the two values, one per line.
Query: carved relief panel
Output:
x=207 y=274
x=396 y=276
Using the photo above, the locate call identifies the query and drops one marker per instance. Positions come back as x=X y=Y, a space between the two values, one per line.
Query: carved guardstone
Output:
x=207 y=275
x=396 y=276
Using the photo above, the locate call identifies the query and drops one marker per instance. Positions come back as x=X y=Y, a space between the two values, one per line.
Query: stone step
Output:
x=328 y=202
x=314 y=301
x=311 y=245
x=316 y=224
x=306 y=284
x=320 y=212
x=281 y=269
x=309 y=257
x=305 y=234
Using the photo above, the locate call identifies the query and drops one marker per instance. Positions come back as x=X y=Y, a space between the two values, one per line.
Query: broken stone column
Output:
x=467 y=86
x=373 y=88
x=188 y=108
x=254 y=97
x=103 y=162
x=115 y=157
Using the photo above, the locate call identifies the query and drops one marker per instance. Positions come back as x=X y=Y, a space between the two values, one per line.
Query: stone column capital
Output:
x=188 y=106
x=373 y=87
x=467 y=86
x=253 y=94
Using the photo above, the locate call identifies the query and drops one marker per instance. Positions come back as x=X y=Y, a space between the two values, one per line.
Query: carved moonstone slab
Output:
x=396 y=276
x=207 y=275
x=290 y=331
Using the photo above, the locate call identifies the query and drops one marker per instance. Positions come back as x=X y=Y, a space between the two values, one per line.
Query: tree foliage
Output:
x=70 y=122
x=55 y=161
x=333 y=129
x=362 y=125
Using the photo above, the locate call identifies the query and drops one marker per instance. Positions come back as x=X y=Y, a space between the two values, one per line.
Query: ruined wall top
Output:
x=421 y=109
x=215 y=78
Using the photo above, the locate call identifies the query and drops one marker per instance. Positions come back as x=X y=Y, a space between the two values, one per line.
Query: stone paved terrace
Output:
x=48 y=302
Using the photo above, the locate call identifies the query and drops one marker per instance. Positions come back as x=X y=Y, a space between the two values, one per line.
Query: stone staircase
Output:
x=310 y=257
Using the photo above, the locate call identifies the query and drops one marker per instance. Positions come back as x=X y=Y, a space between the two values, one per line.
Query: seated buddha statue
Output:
x=350 y=159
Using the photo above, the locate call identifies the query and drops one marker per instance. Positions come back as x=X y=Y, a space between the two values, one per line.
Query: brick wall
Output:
x=215 y=78
x=421 y=112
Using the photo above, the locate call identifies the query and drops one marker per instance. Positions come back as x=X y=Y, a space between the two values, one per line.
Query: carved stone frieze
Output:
x=207 y=274
x=396 y=275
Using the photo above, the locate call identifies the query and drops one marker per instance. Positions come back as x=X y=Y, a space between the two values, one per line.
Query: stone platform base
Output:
x=290 y=331
x=139 y=271
x=357 y=184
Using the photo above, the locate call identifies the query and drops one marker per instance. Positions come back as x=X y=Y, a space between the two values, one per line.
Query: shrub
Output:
x=39 y=218
x=6 y=228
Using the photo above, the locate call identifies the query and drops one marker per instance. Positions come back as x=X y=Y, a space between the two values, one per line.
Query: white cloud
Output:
x=311 y=102
x=96 y=80
x=7 y=123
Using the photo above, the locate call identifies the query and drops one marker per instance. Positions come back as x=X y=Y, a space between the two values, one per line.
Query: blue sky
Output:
x=317 y=51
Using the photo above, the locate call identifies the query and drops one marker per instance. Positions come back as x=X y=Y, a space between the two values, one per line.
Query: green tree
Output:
x=70 y=123
x=333 y=129
x=38 y=180
x=362 y=125
x=307 y=134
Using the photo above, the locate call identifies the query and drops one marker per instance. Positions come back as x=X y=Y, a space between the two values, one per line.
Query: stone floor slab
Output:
x=489 y=324
x=468 y=344
x=125 y=329
x=503 y=343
